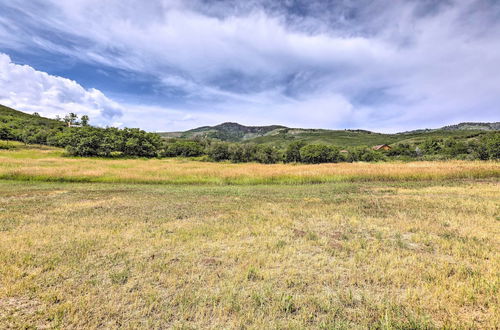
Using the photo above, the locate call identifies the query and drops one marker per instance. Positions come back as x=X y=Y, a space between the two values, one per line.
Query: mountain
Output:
x=474 y=126
x=233 y=132
x=281 y=135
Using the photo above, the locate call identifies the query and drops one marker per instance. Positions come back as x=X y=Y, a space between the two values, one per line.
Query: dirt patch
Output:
x=299 y=233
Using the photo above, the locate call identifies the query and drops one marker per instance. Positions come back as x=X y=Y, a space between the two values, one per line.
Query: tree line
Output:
x=487 y=147
x=81 y=139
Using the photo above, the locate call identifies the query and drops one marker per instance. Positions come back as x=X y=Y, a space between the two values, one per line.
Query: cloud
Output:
x=27 y=89
x=310 y=63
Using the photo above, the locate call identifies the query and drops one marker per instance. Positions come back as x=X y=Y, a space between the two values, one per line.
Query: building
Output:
x=382 y=147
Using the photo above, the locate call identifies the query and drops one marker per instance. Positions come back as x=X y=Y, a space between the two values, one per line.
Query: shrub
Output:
x=454 y=148
x=402 y=149
x=5 y=146
x=184 y=149
x=292 y=152
x=6 y=133
x=267 y=154
x=492 y=144
x=218 y=151
x=319 y=153
x=431 y=146
x=236 y=153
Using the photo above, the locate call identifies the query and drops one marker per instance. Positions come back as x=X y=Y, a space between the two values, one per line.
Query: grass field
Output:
x=394 y=251
x=46 y=164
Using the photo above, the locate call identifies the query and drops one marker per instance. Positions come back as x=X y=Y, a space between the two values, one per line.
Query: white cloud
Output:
x=24 y=88
x=408 y=65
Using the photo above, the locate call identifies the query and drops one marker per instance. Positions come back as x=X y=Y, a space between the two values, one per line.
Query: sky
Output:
x=169 y=65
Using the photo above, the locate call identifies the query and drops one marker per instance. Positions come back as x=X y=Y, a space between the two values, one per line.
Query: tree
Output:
x=249 y=151
x=236 y=153
x=6 y=133
x=431 y=146
x=319 y=153
x=140 y=143
x=370 y=155
x=492 y=143
x=267 y=154
x=292 y=152
x=85 y=120
x=218 y=151
x=454 y=148
x=401 y=149
x=184 y=149
x=71 y=119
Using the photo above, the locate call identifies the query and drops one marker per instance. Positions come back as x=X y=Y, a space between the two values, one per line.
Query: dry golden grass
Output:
x=336 y=255
x=373 y=246
x=48 y=165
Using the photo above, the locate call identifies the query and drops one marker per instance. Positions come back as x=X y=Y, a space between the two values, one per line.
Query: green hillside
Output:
x=232 y=132
x=33 y=129
x=17 y=125
x=18 y=120
x=281 y=136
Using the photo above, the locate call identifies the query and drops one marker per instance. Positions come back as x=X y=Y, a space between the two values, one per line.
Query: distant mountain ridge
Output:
x=230 y=126
x=474 y=126
x=282 y=135
x=228 y=131
x=278 y=135
x=242 y=130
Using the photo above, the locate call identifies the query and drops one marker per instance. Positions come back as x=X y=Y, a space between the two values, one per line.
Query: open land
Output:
x=88 y=243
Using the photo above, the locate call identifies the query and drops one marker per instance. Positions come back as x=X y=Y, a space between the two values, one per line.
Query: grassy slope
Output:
x=352 y=138
x=8 y=115
x=358 y=255
x=342 y=138
x=46 y=164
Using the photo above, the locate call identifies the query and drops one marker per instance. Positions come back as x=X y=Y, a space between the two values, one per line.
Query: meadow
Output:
x=42 y=163
x=100 y=243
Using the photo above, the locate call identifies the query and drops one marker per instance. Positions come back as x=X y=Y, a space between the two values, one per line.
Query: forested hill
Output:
x=33 y=128
x=232 y=132
x=18 y=119
x=282 y=136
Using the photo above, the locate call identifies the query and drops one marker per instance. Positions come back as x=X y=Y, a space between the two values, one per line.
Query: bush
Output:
x=5 y=146
x=92 y=141
x=218 y=151
x=140 y=143
x=292 y=152
x=6 y=133
x=184 y=149
x=364 y=154
x=454 y=148
x=319 y=153
x=431 y=146
x=267 y=154
x=492 y=144
x=370 y=155
x=236 y=153
x=402 y=149
x=243 y=153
